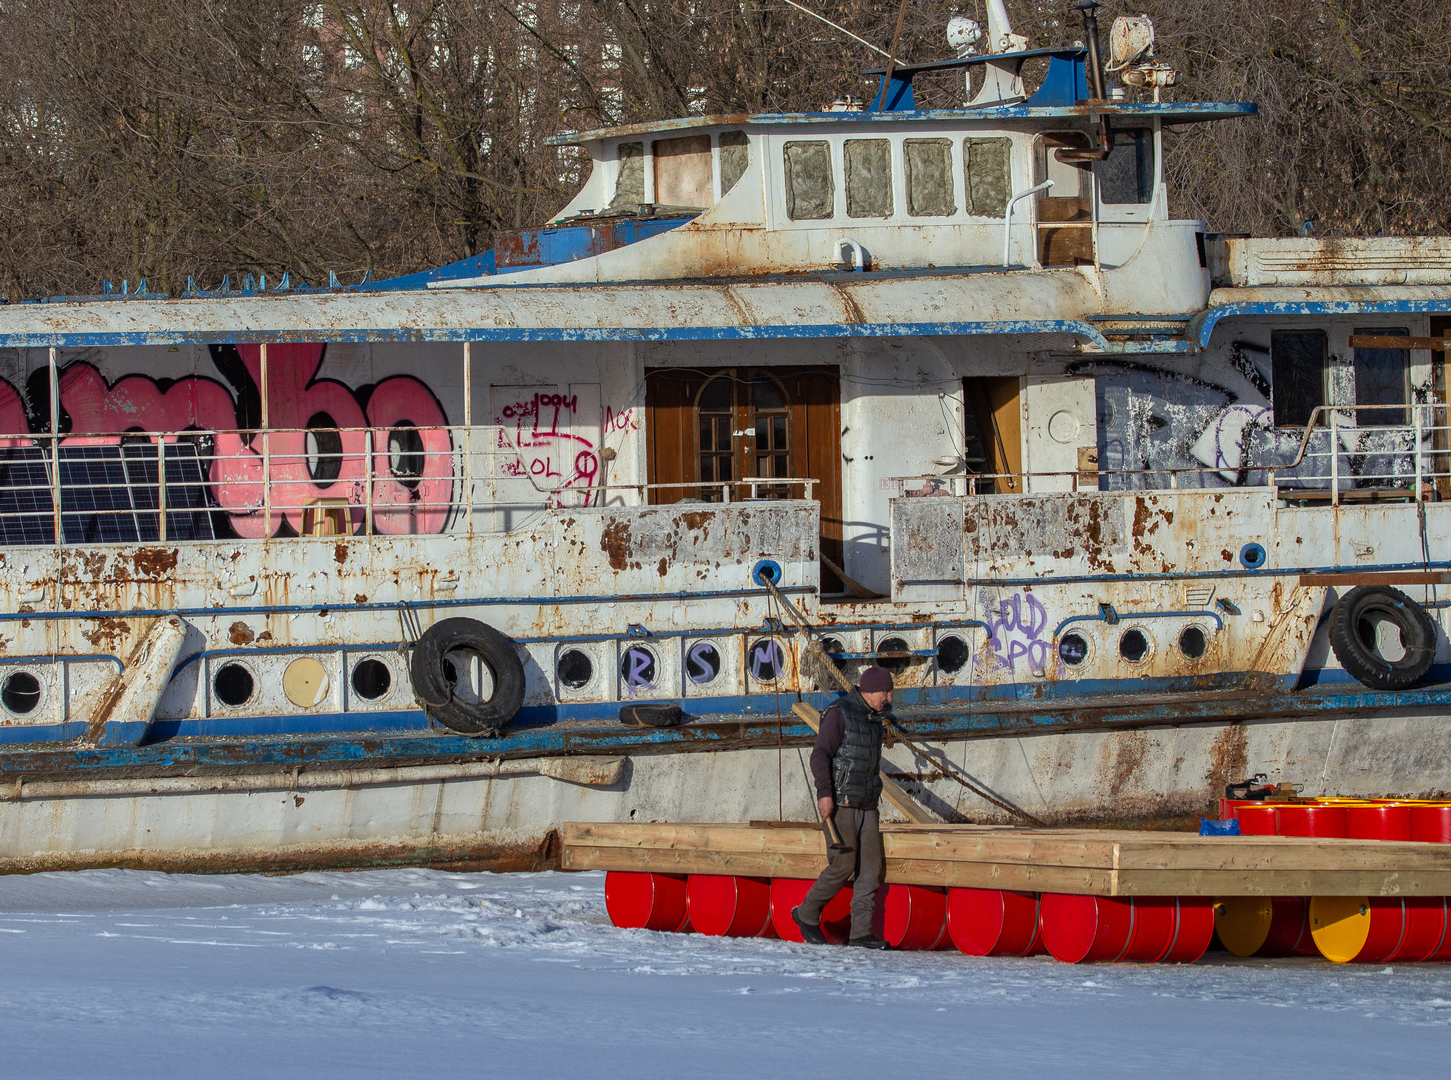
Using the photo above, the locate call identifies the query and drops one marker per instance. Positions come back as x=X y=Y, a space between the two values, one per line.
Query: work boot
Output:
x=810 y=931
x=869 y=941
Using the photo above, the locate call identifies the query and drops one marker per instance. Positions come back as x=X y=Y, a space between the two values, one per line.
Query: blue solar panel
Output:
x=106 y=493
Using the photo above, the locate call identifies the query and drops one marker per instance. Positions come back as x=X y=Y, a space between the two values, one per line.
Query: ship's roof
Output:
x=1168 y=112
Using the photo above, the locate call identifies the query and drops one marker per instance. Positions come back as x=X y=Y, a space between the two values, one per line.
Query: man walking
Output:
x=845 y=764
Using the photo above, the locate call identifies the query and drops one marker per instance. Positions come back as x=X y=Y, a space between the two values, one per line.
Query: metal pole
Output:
x=468 y=439
x=368 y=491
x=1416 y=413
x=1334 y=463
x=161 y=489
x=55 y=450
x=266 y=454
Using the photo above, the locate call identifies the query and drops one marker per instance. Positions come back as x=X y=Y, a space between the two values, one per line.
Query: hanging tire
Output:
x=1361 y=627
x=467 y=676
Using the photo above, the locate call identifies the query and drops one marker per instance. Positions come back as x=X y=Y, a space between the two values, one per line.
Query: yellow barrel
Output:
x=1243 y=922
x=1340 y=926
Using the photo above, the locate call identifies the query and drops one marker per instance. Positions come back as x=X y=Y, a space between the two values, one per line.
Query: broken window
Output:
x=989 y=181
x=1127 y=174
x=1297 y=373
x=682 y=171
x=810 y=186
x=1380 y=379
x=868 y=178
x=735 y=157
x=929 y=177
x=630 y=181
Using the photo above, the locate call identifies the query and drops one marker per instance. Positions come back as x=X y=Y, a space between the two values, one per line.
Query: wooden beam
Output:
x=1399 y=341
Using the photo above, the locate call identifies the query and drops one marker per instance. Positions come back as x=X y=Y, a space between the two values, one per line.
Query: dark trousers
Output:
x=859 y=853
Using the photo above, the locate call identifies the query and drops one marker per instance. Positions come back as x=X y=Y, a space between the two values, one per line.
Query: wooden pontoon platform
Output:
x=1091 y=862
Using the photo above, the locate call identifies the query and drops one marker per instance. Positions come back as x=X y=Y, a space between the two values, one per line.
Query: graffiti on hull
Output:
x=411 y=467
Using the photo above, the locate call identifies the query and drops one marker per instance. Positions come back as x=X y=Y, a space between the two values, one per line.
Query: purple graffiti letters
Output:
x=1018 y=628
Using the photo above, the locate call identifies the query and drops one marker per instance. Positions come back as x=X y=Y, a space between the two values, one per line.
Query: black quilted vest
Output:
x=855 y=767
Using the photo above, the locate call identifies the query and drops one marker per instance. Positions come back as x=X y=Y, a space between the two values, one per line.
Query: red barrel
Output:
x=646 y=901
x=1431 y=823
x=1193 y=930
x=1083 y=929
x=1256 y=819
x=726 y=906
x=1378 y=822
x=1358 y=929
x=1289 y=932
x=787 y=893
x=1301 y=820
x=991 y=922
x=1425 y=918
x=914 y=916
x=1156 y=922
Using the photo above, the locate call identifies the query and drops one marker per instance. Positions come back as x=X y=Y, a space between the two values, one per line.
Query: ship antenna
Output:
x=838 y=26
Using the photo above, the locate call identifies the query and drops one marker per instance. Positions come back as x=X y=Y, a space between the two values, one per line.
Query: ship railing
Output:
x=120 y=487
x=1359 y=453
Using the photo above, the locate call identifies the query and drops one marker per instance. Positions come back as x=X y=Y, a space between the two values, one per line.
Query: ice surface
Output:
x=417 y=973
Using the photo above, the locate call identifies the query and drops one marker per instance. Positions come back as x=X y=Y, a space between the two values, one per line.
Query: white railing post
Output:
x=1416 y=415
x=161 y=489
x=468 y=440
x=1008 y=219
x=368 y=445
x=266 y=453
x=1334 y=461
x=55 y=452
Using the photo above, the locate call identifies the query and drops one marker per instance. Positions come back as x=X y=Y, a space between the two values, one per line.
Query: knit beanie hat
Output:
x=875 y=680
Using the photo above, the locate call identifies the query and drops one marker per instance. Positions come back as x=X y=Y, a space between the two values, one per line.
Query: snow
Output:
x=419 y=973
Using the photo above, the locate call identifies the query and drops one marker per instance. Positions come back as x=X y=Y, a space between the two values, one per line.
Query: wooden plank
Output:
x=1283 y=883
x=694 y=861
x=684 y=836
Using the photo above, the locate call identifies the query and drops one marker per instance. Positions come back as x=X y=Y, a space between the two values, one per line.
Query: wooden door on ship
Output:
x=705 y=426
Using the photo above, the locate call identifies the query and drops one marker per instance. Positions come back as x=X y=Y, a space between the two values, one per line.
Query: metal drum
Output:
x=1193 y=932
x=1300 y=820
x=1431 y=823
x=787 y=893
x=1257 y=819
x=726 y=906
x=914 y=917
x=646 y=901
x=993 y=922
x=1382 y=822
x=1358 y=929
x=1156 y=924
x=1084 y=929
x=1264 y=925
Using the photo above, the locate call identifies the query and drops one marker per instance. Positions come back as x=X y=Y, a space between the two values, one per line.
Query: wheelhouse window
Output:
x=1127 y=175
x=1381 y=377
x=929 y=177
x=1297 y=362
x=810 y=185
x=715 y=409
x=735 y=158
x=868 y=178
x=630 y=181
x=682 y=172
x=987 y=163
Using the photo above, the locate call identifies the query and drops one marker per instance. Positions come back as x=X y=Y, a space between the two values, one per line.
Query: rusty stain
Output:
x=239 y=633
x=1228 y=759
x=340 y=554
x=154 y=563
x=106 y=633
x=664 y=565
x=1130 y=749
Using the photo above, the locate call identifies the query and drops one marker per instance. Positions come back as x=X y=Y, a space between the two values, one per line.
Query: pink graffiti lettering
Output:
x=12 y=416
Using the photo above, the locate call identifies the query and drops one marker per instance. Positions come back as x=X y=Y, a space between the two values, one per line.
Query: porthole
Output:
x=20 y=692
x=895 y=664
x=702 y=663
x=1133 y=646
x=233 y=685
x=1073 y=649
x=952 y=654
x=833 y=647
x=1193 y=642
x=766 y=660
x=639 y=669
x=575 y=669
x=371 y=679
x=468 y=676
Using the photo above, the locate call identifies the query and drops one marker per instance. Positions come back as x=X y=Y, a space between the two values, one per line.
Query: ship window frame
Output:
x=1279 y=406
x=1362 y=359
x=747 y=416
x=788 y=191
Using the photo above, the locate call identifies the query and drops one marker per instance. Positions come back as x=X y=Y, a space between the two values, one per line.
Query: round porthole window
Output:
x=895 y=664
x=1073 y=649
x=1133 y=646
x=766 y=660
x=20 y=692
x=575 y=668
x=1193 y=642
x=702 y=663
x=638 y=668
x=952 y=654
x=371 y=679
x=233 y=685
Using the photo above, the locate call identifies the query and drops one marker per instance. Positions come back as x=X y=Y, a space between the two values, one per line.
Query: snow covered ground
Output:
x=417 y=973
